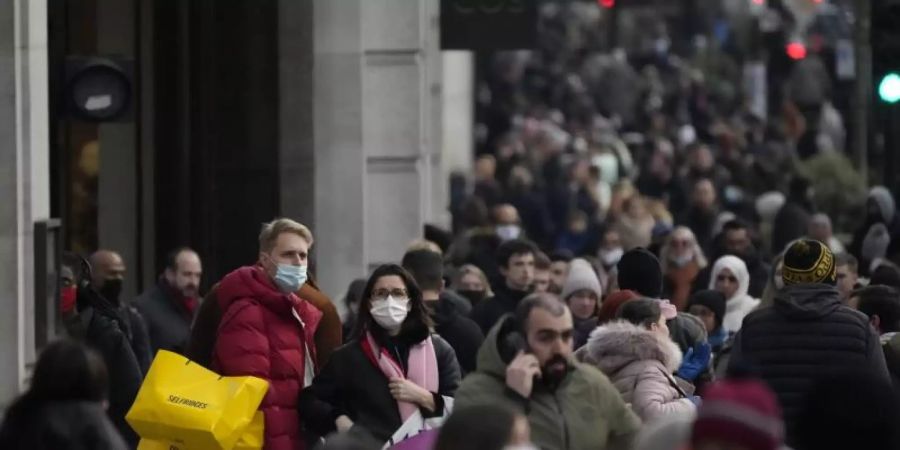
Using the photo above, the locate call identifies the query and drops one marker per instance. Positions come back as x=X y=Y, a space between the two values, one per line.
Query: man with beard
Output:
x=559 y=270
x=169 y=306
x=527 y=362
x=106 y=279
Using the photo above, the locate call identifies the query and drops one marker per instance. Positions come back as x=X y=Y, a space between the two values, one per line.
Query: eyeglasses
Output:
x=381 y=294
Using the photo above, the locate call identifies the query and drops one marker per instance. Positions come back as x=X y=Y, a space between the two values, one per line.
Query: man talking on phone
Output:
x=527 y=362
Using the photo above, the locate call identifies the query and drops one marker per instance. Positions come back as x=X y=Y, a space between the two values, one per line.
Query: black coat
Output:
x=103 y=334
x=489 y=312
x=461 y=332
x=134 y=327
x=351 y=385
x=791 y=223
x=807 y=335
x=168 y=321
x=59 y=426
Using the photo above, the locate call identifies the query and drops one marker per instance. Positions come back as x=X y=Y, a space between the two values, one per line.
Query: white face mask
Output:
x=521 y=447
x=611 y=257
x=508 y=232
x=390 y=313
x=683 y=260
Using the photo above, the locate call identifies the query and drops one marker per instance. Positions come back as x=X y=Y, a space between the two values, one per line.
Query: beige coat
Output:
x=640 y=364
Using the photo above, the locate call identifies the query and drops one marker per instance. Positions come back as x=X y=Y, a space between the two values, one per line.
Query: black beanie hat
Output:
x=887 y=275
x=639 y=271
x=714 y=300
x=807 y=261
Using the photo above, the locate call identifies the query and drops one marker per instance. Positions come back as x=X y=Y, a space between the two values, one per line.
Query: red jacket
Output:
x=260 y=336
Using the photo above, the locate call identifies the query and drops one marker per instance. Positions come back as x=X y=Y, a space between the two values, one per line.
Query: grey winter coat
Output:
x=640 y=364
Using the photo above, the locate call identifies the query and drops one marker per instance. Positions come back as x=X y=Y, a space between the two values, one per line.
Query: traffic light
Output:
x=796 y=50
x=889 y=88
x=885 y=40
x=607 y=3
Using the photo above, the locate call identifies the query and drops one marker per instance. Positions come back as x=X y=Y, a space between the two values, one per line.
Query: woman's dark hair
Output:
x=477 y=427
x=642 y=312
x=66 y=371
x=417 y=325
x=354 y=292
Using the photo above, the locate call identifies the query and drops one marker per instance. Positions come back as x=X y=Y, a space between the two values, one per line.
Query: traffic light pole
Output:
x=891 y=116
x=863 y=94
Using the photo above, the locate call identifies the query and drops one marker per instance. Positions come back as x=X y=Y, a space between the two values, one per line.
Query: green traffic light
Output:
x=889 y=88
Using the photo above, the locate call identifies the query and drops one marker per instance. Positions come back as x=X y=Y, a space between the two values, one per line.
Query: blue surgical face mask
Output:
x=289 y=278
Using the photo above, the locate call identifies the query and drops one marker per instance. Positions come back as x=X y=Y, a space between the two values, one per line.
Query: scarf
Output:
x=421 y=364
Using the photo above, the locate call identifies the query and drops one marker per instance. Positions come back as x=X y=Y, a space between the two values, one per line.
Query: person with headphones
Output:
x=90 y=318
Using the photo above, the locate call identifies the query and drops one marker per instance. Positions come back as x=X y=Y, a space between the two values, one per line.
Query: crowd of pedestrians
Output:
x=637 y=261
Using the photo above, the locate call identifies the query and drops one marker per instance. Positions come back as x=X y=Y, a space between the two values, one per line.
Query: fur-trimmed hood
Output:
x=614 y=346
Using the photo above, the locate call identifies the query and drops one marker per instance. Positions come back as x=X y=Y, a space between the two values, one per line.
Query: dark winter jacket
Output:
x=891 y=346
x=100 y=329
x=267 y=334
x=488 y=312
x=791 y=223
x=168 y=320
x=461 y=332
x=582 y=330
x=584 y=412
x=351 y=385
x=701 y=222
x=59 y=426
x=135 y=328
x=805 y=336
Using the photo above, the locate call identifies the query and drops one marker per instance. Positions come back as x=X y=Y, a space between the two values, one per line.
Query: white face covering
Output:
x=390 y=313
x=682 y=260
x=508 y=232
x=611 y=257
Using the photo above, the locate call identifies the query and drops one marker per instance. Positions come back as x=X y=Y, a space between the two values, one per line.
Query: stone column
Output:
x=24 y=179
x=118 y=202
x=374 y=132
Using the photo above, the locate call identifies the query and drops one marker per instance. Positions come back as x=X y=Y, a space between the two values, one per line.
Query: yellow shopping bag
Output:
x=252 y=439
x=183 y=406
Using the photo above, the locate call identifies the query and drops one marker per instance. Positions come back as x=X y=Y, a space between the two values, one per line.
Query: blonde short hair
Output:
x=270 y=232
x=471 y=269
x=424 y=244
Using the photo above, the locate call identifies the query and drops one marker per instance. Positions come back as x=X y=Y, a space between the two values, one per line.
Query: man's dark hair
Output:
x=641 y=312
x=881 y=301
x=562 y=255
x=172 y=257
x=514 y=247
x=427 y=267
x=546 y=301
x=846 y=259
x=481 y=427
x=734 y=225
x=541 y=261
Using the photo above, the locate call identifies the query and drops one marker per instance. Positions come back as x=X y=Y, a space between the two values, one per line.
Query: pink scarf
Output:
x=422 y=368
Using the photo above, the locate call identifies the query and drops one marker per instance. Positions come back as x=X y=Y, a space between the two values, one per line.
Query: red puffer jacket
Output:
x=260 y=336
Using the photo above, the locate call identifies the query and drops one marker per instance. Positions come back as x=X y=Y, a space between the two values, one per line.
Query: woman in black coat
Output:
x=64 y=408
x=392 y=367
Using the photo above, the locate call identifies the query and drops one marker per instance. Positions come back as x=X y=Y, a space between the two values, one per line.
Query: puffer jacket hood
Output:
x=807 y=301
x=614 y=346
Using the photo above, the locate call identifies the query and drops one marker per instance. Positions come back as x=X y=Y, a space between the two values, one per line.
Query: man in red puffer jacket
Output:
x=268 y=332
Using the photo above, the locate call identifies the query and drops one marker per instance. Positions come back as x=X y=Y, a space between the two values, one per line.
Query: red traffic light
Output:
x=606 y=3
x=796 y=50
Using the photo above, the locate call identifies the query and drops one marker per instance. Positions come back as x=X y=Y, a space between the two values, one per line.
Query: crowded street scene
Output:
x=450 y=224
